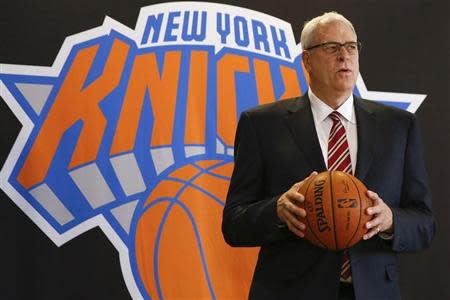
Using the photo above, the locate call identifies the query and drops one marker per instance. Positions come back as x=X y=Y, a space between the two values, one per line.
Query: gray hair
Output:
x=310 y=27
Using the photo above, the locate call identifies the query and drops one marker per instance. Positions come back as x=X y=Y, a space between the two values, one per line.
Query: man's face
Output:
x=332 y=73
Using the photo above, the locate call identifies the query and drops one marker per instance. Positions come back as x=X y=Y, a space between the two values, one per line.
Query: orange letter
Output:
x=291 y=83
x=196 y=99
x=264 y=84
x=75 y=103
x=227 y=66
x=163 y=95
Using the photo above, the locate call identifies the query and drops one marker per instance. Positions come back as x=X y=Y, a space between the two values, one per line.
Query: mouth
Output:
x=344 y=71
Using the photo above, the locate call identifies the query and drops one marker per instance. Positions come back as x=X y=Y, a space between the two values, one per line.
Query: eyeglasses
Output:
x=334 y=47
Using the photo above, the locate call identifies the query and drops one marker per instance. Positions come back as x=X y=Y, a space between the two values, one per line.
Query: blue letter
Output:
x=193 y=35
x=281 y=43
x=171 y=25
x=260 y=35
x=155 y=24
x=244 y=39
x=224 y=32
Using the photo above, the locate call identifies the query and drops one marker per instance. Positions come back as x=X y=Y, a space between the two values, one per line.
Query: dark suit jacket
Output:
x=276 y=145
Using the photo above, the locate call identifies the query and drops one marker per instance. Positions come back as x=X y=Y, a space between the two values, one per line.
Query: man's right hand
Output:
x=288 y=210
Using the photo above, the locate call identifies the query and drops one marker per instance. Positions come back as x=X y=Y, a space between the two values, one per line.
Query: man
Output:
x=279 y=144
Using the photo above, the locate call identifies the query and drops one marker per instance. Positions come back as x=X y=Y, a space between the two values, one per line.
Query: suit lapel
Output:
x=367 y=137
x=301 y=124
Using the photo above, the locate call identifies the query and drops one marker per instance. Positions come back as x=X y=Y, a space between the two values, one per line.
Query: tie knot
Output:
x=335 y=116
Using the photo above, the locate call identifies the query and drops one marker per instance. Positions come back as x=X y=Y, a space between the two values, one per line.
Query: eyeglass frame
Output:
x=358 y=46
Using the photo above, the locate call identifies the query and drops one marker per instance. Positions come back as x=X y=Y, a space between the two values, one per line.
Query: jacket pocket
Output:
x=285 y=261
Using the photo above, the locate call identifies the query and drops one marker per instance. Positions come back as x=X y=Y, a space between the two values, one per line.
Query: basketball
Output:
x=179 y=251
x=335 y=204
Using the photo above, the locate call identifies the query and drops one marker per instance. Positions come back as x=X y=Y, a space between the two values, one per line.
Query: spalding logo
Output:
x=132 y=131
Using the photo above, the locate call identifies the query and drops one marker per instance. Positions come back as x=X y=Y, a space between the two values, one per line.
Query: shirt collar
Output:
x=321 y=110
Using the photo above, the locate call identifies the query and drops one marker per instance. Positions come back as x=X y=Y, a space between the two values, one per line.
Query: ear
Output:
x=306 y=58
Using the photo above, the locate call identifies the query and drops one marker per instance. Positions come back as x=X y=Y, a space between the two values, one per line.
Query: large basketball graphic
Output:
x=180 y=252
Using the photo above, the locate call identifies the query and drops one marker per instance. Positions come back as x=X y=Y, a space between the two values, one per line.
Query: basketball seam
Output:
x=360 y=210
x=200 y=247
x=332 y=208
x=175 y=200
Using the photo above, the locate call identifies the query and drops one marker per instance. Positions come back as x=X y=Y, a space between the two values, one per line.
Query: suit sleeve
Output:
x=414 y=224
x=249 y=218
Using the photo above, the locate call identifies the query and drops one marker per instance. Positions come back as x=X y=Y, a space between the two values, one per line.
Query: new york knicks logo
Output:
x=132 y=131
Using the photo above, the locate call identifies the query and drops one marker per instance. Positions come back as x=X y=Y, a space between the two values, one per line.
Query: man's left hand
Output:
x=382 y=217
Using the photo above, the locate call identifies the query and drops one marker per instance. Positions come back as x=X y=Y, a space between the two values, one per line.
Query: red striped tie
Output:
x=339 y=160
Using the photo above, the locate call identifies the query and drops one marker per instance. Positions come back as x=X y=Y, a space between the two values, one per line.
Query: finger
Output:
x=375 y=222
x=298 y=211
x=313 y=173
x=295 y=196
x=374 y=196
x=293 y=221
x=296 y=186
x=296 y=231
x=299 y=184
x=374 y=210
x=371 y=233
x=294 y=209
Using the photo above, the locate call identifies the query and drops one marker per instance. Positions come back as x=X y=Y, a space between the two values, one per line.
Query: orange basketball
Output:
x=335 y=204
x=179 y=249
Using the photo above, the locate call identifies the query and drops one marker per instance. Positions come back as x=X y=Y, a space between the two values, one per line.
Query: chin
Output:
x=345 y=89
x=347 y=85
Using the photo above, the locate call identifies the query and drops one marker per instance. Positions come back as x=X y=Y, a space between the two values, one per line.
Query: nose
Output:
x=343 y=54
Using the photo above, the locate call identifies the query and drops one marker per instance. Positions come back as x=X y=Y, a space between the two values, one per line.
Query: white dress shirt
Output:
x=323 y=123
